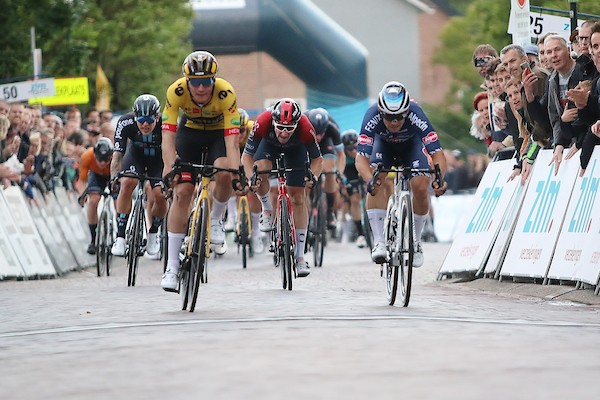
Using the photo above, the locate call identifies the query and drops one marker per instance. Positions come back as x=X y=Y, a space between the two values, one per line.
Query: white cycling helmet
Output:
x=393 y=98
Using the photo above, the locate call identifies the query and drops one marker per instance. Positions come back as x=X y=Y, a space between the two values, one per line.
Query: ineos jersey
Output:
x=416 y=124
x=263 y=130
x=142 y=145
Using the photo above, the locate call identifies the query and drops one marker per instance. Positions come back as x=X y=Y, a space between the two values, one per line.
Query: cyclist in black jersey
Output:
x=330 y=143
x=138 y=138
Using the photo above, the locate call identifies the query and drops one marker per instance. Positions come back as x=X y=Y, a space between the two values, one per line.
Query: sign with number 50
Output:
x=21 y=91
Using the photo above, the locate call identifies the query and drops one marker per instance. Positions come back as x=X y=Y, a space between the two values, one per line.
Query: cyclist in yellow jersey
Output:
x=210 y=119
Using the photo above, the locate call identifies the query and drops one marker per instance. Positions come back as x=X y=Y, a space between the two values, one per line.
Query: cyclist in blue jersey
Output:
x=396 y=128
x=138 y=138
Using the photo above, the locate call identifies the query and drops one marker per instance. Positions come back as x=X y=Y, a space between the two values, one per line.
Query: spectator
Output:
x=531 y=50
x=583 y=55
x=587 y=101
x=4 y=107
x=482 y=56
x=106 y=116
x=544 y=61
x=563 y=114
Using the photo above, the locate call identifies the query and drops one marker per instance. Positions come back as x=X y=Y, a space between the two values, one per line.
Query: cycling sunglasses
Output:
x=196 y=82
x=150 y=119
x=393 y=117
x=287 y=128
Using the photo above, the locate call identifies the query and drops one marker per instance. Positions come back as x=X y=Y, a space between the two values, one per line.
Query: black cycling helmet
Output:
x=244 y=117
x=349 y=137
x=319 y=118
x=103 y=150
x=199 y=64
x=146 y=105
x=286 y=112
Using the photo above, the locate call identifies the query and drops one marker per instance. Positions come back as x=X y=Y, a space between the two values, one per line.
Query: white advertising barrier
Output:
x=540 y=220
x=577 y=254
x=74 y=225
x=29 y=248
x=53 y=237
x=479 y=228
x=452 y=209
x=10 y=266
x=506 y=229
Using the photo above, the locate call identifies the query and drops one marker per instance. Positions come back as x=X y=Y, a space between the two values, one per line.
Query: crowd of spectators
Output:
x=542 y=96
x=42 y=149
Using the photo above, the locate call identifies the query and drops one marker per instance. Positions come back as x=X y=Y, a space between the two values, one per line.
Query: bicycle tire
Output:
x=321 y=231
x=287 y=246
x=132 y=250
x=406 y=250
x=244 y=230
x=199 y=260
x=101 y=245
x=110 y=241
x=391 y=266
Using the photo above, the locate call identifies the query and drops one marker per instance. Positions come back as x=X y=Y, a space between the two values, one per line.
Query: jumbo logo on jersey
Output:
x=365 y=140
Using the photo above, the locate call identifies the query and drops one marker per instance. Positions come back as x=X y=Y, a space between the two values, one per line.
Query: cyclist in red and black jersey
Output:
x=284 y=130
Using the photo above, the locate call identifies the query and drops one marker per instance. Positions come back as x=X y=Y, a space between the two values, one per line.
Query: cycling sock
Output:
x=218 y=208
x=254 y=220
x=175 y=241
x=156 y=223
x=93 y=231
x=121 y=224
x=300 y=240
x=232 y=208
x=265 y=201
x=419 y=221
x=359 y=229
x=376 y=218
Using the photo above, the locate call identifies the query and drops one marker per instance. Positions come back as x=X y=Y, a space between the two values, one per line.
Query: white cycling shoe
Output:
x=418 y=258
x=379 y=253
x=170 y=280
x=118 y=247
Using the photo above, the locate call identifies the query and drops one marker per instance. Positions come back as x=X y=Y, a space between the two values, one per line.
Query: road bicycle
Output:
x=136 y=235
x=105 y=234
x=196 y=245
x=364 y=218
x=243 y=227
x=317 y=223
x=105 y=230
x=398 y=231
x=283 y=234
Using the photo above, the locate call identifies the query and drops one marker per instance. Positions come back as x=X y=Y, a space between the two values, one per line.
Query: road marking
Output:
x=70 y=329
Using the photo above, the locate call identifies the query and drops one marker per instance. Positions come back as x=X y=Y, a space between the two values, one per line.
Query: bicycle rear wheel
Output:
x=364 y=217
x=110 y=239
x=406 y=250
x=101 y=245
x=164 y=242
x=198 y=262
x=286 y=242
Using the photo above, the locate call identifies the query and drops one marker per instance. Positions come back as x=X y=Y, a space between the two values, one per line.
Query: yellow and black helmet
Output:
x=243 y=117
x=200 y=64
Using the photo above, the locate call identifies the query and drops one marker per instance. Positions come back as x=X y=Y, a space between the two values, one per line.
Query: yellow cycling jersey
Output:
x=245 y=133
x=220 y=113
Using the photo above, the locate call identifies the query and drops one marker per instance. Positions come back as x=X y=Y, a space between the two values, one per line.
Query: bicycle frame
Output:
x=202 y=193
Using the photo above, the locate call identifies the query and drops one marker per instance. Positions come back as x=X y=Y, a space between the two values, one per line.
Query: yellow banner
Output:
x=68 y=91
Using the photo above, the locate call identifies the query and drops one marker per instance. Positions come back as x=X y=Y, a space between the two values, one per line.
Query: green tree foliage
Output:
x=140 y=44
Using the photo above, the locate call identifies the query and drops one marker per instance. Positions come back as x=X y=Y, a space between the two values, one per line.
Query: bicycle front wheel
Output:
x=390 y=268
x=198 y=260
x=134 y=240
x=101 y=244
x=287 y=255
x=243 y=230
x=406 y=250
x=320 y=233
